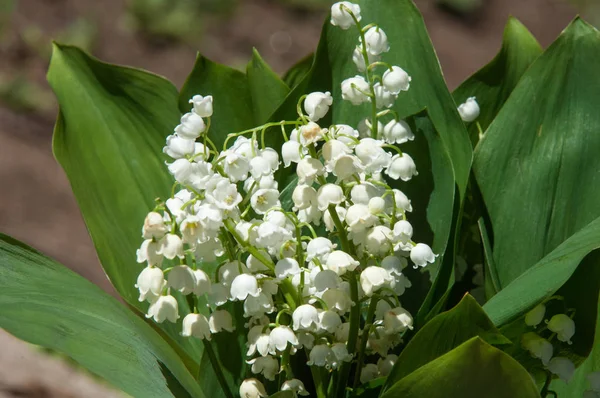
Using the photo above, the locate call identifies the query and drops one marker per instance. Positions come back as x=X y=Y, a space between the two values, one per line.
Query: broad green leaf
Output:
x=232 y=101
x=538 y=170
x=296 y=73
x=472 y=370
x=266 y=88
x=537 y=165
x=46 y=304
x=493 y=84
x=548 y=275
x=443 y=333
x=108 y=138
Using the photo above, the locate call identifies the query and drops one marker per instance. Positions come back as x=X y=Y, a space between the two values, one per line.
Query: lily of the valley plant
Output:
x=331 y=234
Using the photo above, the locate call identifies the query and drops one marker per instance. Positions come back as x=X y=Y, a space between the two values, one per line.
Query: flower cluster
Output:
x=561 y=327
x=317 y=267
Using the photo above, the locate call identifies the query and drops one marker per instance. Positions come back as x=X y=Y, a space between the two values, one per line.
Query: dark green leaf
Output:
x=537 y=165
x=493 y=84
x=443 y=333
x=108 y=138
x=296 y=73
x=546 y=277
x=266 y=88
x=46 y=304
x=472 y=370
x=232 y=101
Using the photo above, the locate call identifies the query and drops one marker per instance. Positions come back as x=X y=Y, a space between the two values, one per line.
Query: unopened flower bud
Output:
x=469 y=110
x=203 y=106
x=536 y=315
x=316 y=105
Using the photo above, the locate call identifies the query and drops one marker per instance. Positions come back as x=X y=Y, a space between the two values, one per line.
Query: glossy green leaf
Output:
x=266 y=88
x=537 y=165
x=296 y=73
x=108 y=138
x=442 y=334
x=232 y=101
x=547 y=276
x=493 y=84
x=472 y=370
x=47 y=304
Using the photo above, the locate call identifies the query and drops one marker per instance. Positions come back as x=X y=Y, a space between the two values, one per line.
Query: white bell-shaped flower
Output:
x=345 y=134
x=280 y=337
x=340 y=262
x=203 y=283
x=562 y=367
x=308 y=170
x=400 y=284
x=397 y=320
x=359 y=218
x=245 y=146
x=337 y=300
x=286 y=267
x=229 y=271
x=218 y=295
x=378 y=240
x=373 y=278
x=333 y=150
x=304 y=196
x=171 y=246
x=226 y=195
x=220 y=320
x=200 y=174
x=394 y=264
x=182 y=279
x=535 y=316
x=469 y=110
x=203 y=106
x=421 y=254
x=372 y=155
x=355 y=89
x=537 y=346
x=369 y=372
x=258 y=306
x=306 y=340
x=359 y=60
x=309 y=134
x=295 y=386
x=377 y=41
x=403 y=231
x=363 y=193
x=264 y=199
x=150 y=283
x=305 y=317
x=164 y=308
x=563 y=326
x=396 y=80
x=149 y=252
x=341 y=355
x=267 y=366
x=196 y=325
x=346 y=168
x=244 y=285
x=235 y=165
x=329 y=321
x=383 y=97
x=260 y=167
x=252 y=388
x=397 y=132
x=319 y=248
x=329 y=194
x=316 y=105
x=328 y=220
x=192 y=125
x=320 y=355
x=258 y=341
x=402 y=167
x=326 y=279
x=178 y=147
x=291 y=152
x=386 y=364
x=340 y=14
x=402 y=202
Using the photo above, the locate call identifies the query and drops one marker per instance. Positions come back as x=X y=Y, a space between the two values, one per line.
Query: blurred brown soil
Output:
x=36 y=204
